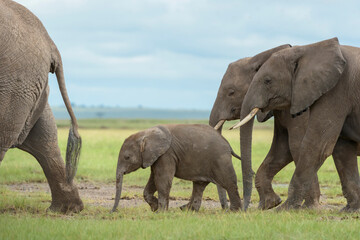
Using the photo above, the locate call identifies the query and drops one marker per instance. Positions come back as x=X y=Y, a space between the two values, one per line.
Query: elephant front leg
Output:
x=42 y=144
x=149 y=191
x=317 y=145
x=278 y=157
x=164 y=172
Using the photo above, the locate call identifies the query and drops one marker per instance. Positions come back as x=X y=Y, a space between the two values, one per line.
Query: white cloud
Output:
x=179 y=45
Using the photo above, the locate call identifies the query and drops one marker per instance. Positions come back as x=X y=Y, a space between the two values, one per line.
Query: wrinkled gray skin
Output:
x=287 y=131
x=192 y=152
x=324 y=77
x=27 y=55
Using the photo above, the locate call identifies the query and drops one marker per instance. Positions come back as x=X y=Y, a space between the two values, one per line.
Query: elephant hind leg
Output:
x=345 y=158
x=222 y=198
x=196 y=196
x=43 y=145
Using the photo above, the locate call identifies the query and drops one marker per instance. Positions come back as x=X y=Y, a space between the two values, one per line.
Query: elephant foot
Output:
x=154 y=206
x=66 y=200
x=287 y=205
x=311 y=205
x=224 y=206
x=350 y=209
x=184 y=207
x=269 y=201
x=70 y=207
x=190 y=207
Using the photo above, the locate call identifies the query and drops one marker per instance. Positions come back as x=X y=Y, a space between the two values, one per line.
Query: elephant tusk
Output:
x=246 y=119
x=219 y=124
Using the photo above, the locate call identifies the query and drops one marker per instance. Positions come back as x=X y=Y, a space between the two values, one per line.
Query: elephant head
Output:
x=291 y=78
x=140 y=150
x=231 y=94
x=234 y=85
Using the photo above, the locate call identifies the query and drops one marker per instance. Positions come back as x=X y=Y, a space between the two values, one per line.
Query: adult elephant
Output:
x=287 y=136
x=27 y=55
x=324 y=78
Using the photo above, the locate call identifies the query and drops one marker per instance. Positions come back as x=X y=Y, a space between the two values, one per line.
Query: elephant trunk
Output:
x=245 y=145
x=119 y=180
x=215 y=121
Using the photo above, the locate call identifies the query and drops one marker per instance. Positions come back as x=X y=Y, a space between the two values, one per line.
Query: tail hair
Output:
x=72 y=155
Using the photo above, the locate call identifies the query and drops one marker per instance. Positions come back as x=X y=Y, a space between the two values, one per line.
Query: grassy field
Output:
x=23 y=214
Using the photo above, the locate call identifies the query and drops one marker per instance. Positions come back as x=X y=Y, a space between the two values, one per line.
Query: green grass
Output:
x=24 y=216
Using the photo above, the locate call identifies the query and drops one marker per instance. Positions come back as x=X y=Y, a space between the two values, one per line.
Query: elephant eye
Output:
x=231 y=92
x=126 y=157
x=267 y=81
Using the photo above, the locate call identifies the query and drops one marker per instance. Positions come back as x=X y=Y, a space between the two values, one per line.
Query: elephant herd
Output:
x=311 y=91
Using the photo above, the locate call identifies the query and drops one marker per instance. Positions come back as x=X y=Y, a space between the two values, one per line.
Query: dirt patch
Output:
x=101 y=194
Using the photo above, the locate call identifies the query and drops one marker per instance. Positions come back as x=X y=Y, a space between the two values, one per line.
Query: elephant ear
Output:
x=154 y=144
x=264 y=116
x=317 y=69
x=258 y=60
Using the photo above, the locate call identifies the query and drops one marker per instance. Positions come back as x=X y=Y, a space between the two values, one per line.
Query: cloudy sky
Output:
x=173 y=53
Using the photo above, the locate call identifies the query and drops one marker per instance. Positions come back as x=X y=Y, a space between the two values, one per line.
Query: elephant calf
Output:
x=192 y=152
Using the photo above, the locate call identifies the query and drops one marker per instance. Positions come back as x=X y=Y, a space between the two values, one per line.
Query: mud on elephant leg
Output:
x=149 y=191
x=345 y=157
x=42 y=144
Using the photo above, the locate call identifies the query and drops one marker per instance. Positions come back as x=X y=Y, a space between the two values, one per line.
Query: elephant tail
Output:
x=235 y=155
x=74 y=139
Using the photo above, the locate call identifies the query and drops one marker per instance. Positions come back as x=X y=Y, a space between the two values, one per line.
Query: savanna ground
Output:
x=25 y=197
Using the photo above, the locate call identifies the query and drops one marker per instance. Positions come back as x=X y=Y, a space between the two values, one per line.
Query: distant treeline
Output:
x=130 y=113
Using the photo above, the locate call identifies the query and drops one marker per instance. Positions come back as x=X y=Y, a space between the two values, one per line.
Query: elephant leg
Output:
x=235 y=201
x=149 y=191
x=312 y=197
x=345 y=157
x=226 y=177
x=164 y=173
x=42 y=143
x=278 y=157
x=222 y=197
x=196 y=197
x=317 y=144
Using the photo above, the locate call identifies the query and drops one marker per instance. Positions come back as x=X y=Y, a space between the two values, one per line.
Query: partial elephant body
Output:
x=27 y=55
x=323 y=77
x=192 y=152
x=288 y=132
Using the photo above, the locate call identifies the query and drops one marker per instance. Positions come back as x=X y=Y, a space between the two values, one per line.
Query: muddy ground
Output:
x=102 y=194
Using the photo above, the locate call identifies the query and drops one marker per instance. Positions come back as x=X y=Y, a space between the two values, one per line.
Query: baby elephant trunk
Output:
x=119 y=180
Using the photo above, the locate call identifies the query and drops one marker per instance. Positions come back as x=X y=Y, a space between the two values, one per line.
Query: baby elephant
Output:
x=192 y=152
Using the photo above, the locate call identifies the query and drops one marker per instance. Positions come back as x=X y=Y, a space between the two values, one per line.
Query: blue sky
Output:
x=173 y=53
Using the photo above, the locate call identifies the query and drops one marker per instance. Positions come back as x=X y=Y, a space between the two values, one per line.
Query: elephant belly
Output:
x=195 y=175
